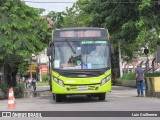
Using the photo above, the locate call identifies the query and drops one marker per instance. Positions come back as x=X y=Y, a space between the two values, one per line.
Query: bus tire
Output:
x=57 y=98
x=89 y=96
x=102 y=96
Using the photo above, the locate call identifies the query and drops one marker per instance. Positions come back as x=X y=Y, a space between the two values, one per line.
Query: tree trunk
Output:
x=10 y=75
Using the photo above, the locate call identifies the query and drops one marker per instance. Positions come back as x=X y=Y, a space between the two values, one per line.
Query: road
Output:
x=120 y=99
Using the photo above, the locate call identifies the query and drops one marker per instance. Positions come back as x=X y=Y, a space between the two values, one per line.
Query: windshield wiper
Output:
x=69 y=44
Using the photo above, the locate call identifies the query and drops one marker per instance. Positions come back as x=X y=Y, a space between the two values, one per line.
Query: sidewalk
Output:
x=38 y=88
x=27 y=92
x=30 y=93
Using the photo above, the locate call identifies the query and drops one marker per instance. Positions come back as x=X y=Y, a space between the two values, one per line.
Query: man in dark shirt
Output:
x=34 y=84
x=139 y=80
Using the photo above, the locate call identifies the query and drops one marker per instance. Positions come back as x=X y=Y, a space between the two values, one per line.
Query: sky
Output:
x=50 y=5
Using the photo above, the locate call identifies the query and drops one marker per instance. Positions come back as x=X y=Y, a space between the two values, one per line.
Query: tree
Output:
x=148 y=23
x=22 y=33
x=57 y=18
x=130 y=23
x=72 y=17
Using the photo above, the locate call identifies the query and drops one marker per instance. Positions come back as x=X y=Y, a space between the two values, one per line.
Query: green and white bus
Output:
x=80 y=62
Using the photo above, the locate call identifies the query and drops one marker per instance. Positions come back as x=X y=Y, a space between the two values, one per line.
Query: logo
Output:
x=95 y=81
x=6 y=114
x=85 y=66
x=70 y=81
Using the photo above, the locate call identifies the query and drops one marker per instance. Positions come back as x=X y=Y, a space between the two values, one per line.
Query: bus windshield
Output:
x=81 y=55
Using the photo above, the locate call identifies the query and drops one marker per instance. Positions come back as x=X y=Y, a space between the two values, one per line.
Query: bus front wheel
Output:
x=102 y=96
x=57 y=98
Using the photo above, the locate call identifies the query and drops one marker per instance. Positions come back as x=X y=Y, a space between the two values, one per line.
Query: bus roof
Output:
x=81 y=28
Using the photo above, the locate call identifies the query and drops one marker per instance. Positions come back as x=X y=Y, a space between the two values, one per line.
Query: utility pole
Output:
x=39 y=67
x=120 y=60
x=146 y=51
x=31 y=68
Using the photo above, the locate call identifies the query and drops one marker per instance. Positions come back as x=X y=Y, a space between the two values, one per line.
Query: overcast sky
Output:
x=54 y=6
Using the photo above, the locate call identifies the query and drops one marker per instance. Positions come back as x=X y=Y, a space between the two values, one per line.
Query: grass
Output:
x=42 y=84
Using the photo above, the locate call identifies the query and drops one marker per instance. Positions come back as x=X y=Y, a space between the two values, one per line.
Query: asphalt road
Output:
x=120 y=99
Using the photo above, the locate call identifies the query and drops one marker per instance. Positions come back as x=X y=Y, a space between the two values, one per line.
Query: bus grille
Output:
x=82 y=88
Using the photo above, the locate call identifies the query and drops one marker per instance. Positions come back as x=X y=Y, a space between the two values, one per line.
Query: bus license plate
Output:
x=82 y=88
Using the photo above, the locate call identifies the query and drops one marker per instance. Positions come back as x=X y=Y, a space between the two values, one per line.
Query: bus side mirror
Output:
x=49 y=51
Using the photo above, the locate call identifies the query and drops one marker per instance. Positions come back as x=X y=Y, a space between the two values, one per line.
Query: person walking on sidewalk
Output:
x=139 y=80
x=34 y=84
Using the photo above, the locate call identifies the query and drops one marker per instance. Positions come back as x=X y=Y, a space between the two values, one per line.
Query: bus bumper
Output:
x=81 y=89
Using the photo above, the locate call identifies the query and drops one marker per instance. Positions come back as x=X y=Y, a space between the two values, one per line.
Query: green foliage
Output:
x=148 y=23
x=118 y=18
x=40 y=10
x=152 y=74
x=42 y=83
x=23 y=66
x=72 y=17
x=22 y=30
x=22 y=33
x=129 y=76
x=57 y=18
x=3 y=85
x=44 y=77
x=21 y=85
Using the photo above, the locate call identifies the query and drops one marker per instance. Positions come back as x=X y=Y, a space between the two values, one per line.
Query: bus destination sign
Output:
x=86 y=33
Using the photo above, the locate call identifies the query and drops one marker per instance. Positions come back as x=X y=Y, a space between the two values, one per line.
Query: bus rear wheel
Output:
x=102 y=96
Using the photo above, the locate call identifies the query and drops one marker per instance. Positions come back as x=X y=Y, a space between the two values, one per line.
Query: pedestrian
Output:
x=23 y=79
x=34 y=84
x=139 y=80
x=30 y=82
x=27 y=82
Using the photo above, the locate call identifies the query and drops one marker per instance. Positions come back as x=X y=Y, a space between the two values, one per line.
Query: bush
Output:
x=19 y=89
x=3 y=85
x=42 y=83
x=131 y=76
x=22 y=85
x=128 y=76
x=152 y=74
x=44 y=77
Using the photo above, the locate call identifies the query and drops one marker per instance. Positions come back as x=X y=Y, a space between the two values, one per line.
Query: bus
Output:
x=80 y=62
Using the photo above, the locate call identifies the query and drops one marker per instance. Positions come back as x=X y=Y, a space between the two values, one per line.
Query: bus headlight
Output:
x=60 y=82
x=105 y=80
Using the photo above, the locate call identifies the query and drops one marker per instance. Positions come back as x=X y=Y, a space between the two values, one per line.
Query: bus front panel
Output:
x=89 y=85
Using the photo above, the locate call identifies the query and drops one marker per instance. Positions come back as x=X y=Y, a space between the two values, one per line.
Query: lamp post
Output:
x=33 y=57
x=39 y=67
